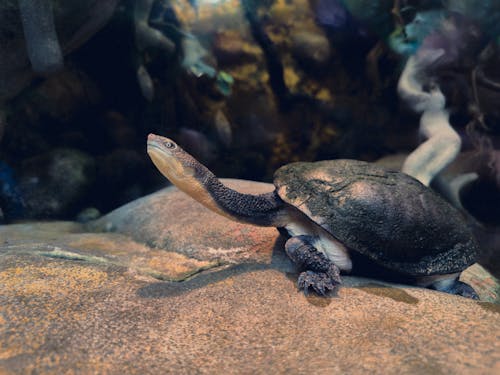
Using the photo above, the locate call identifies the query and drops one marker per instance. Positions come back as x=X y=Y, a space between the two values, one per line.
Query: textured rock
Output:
x=192 y=229
x=231 y=48
x=75 y=22
x=485 y=283
x=76 y=301
x=66 y=240
x=223 y=240
x=62 y=98
x=53 y=184
x=311 y=48
x=59 y=316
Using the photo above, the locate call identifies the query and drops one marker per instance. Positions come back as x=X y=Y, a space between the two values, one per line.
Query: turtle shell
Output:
x=385 y=215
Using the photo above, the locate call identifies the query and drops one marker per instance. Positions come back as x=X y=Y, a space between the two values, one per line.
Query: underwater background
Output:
x=245 y=86
x=106 y=268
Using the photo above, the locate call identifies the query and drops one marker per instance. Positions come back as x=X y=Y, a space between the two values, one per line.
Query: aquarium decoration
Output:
x=42 y=43
x=224 y=83
x=438 y=42
x=148 y=37
x=442 y=142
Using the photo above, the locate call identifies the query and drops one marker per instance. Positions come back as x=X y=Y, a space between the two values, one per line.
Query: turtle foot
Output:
x=322 y=274
x=459 y=288
x=320 y=282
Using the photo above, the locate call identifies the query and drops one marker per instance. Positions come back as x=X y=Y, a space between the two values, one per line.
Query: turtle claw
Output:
x=319 y=282
x=334 y=273
x=322 y=274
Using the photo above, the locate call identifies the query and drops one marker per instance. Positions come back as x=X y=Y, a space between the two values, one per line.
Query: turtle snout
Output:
x=153 y=137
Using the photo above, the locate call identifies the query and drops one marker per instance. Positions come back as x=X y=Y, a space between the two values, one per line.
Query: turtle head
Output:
x=194 y=179
x=184 y=171
x=172 y=161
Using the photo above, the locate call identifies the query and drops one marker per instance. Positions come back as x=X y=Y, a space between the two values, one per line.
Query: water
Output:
x=95 y=243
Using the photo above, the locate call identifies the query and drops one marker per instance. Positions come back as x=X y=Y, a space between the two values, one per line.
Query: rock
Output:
x=78 y=301
x=117 y=177
x=486 y=284
x=119 y=130
x=88 y=214
x=120 y=167
x=224 y=240
x=311 y=49
x=75 y=22
x=230 y=48
x=52 y=184
x=205 y=236
x=63 y=98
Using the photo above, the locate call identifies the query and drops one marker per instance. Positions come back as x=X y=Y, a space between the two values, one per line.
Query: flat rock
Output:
x=192 y=229
x=153 y=297
x=68 y=241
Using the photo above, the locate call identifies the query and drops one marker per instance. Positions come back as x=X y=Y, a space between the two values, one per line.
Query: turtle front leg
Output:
x=321 y=274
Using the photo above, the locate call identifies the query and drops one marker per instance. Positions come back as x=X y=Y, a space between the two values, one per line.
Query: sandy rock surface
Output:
x=163 y=286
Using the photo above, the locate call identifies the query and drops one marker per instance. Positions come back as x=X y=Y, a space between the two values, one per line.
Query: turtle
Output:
x=335 y=211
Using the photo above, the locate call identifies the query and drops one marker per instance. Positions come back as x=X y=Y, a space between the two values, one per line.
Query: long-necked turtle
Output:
x=331 y=209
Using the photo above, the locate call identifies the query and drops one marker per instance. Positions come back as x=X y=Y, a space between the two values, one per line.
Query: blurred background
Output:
x=245 y=86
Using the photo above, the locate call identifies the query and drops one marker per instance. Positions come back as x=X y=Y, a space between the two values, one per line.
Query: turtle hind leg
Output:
x=455 y=286
x=321 y=274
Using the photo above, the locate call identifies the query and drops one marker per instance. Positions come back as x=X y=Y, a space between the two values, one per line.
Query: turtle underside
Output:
x=385 y=215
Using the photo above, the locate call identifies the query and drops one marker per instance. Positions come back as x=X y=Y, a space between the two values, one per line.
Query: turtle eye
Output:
x=170 y=145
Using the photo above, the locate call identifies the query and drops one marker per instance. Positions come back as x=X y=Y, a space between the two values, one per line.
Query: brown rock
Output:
x=192 y=229
x=62 y=97
x=59 y=316
x=485 y=283
x=311 y=48
x=231 y=48
x=68 y=241
x=79 y=302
